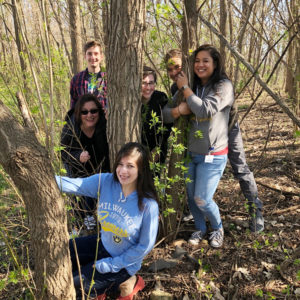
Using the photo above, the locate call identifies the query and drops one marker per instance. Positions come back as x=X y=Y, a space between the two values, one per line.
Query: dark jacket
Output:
x=152 y=134
x=75 y=141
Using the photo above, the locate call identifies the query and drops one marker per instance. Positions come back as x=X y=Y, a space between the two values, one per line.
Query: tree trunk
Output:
x=189 y=41
x=28 y=164
x=25 y=112
x=230 y=67
x=246 y=11
x=18 y=37
x=253 y=39
x=189 y=25
x=51 y=87
x=223 y=19
x=94 y=8
x=295 y=92
x=124 y=29
x=293 y=57
x=75 y=32
x=27 y=48
x=58 y=18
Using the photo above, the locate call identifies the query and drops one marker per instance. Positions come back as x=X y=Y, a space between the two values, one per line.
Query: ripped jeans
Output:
x=205 y=178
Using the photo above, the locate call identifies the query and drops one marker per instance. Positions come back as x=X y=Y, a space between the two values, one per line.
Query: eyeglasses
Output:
x=151 y=83
x=92 y=111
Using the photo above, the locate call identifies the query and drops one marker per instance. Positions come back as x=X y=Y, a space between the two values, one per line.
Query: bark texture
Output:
x=75 y=31
x=223 y=20
x=189 y=41
x=124 y=29
x=28 y=164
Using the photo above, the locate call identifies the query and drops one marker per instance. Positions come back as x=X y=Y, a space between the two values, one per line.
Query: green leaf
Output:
x=58 y=148
x=259 y=293
x=297 y=261
x=2 y=284
x=298 y=275
x=62 y=171
x=297 y=133
x=198 y=134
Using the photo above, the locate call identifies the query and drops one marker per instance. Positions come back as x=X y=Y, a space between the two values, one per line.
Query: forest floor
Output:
x=248 y=266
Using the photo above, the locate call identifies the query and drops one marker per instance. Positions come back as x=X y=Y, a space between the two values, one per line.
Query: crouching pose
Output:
x=128 y=213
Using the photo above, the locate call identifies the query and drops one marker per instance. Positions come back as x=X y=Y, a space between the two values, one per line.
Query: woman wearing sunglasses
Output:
x=85 y=148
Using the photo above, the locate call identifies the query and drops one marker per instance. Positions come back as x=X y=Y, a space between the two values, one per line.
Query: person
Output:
x=154 y=133
x=85 y=148
x=128 y=214
x=209 y=102
x=236 y=153
x=91 y=80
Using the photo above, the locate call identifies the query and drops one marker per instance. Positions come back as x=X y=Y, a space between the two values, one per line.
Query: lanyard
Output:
x=202 y=91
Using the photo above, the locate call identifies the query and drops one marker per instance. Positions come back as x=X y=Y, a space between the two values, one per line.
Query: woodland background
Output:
x=41 y=48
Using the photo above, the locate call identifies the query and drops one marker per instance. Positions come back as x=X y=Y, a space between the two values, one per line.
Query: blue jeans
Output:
x=205 y=178
x=86 y=249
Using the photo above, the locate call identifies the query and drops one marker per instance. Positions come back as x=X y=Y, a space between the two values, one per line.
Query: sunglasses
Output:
x=92 y=111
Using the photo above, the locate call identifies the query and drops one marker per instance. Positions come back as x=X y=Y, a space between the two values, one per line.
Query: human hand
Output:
x=84 y=156
x=104 y=265
x=181 y=80
x=184 y=109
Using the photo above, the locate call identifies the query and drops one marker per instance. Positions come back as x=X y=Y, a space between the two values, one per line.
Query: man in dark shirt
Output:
x=154 y=132
x=92 y=80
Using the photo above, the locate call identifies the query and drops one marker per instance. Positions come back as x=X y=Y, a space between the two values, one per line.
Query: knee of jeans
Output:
x=200 y=202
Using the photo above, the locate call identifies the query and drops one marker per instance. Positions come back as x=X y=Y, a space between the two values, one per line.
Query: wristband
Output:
x=184 y=87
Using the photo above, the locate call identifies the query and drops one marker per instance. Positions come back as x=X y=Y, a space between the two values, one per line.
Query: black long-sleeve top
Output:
x=75 y=141
x=152 y=135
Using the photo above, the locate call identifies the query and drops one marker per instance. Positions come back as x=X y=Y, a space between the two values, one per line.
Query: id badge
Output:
x=209 y=158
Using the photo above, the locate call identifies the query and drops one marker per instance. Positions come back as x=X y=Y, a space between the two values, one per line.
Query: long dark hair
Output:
x=219 y=71
x=145 y=184
x=84 y=99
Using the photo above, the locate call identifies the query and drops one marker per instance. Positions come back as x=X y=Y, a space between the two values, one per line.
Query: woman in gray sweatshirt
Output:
x=208 y=104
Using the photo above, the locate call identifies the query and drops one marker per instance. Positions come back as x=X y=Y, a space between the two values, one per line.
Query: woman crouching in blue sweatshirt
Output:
x=128 y=213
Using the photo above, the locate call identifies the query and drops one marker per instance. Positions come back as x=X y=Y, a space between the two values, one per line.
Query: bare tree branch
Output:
x=250 y=68
x=269 y=77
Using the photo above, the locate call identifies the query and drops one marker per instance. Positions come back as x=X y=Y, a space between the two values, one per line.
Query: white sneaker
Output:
x=196 y=238
x=216 y=238
x=89 y=222
x=188 y=217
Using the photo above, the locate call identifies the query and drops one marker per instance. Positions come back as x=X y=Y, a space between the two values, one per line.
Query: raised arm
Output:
x=88 y=186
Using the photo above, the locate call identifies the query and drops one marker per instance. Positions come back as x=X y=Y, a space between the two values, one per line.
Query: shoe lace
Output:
x=197 y=235
x=216 y=235
x=89 y=222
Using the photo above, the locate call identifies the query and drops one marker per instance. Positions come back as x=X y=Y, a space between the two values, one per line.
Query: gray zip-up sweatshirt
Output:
x=208 y=130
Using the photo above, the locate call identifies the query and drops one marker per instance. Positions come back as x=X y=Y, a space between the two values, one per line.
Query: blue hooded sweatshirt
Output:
x=127 y=233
